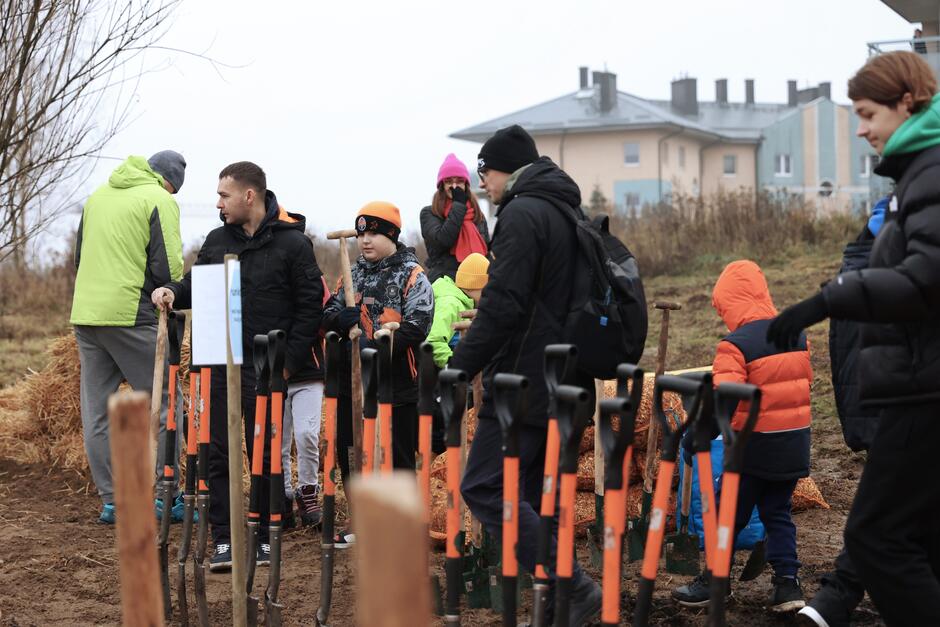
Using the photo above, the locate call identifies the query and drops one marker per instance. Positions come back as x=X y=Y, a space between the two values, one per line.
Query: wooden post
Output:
x=476 y=527
x=392 y=578
x=233 y=386
x=156 y=396
x=599 y=462
x=141 y=595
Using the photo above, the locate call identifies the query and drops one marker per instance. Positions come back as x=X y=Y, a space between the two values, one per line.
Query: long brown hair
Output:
x=440 y=199
x=885 y=79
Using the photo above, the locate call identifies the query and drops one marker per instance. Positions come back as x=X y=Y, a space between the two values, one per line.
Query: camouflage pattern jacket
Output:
x=394 y=289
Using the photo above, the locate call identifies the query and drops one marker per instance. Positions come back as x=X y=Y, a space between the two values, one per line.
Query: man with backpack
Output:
x=524 y=307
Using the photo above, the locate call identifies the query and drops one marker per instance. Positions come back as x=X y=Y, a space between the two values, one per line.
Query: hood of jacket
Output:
x=132 y=172
x=276 y=217
x=545 y=179
x=741 y=295
x=917 y=133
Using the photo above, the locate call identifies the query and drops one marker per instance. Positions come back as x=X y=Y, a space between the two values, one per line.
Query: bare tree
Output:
x=67 y=73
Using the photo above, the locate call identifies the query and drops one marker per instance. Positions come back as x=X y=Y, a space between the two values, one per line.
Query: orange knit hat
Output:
x=379 y=217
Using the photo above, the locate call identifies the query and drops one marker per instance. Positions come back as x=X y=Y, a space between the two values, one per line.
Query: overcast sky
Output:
x=342 y=103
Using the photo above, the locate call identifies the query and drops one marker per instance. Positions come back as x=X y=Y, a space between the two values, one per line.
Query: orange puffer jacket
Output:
x=779 y=447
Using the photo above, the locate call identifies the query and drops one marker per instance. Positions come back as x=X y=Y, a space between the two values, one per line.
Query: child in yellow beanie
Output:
x=450 y=298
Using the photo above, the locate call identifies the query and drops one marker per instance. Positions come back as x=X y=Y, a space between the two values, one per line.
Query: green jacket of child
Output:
x=449 y=301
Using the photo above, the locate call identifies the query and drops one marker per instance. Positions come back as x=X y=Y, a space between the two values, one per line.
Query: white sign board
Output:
x=234 y=285
x=209 y=315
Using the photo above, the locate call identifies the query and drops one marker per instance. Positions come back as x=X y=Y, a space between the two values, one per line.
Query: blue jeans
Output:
x=773 y=500
x=482 y=489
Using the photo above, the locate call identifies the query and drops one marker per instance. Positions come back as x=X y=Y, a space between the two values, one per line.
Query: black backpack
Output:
x=607 y=315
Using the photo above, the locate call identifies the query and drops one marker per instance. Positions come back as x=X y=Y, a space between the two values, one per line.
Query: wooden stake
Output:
x=156 y=396
x=141 y=595
x=392 y=579
x=235 y=469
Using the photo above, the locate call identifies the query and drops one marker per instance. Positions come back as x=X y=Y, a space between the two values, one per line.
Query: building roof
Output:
x=580 y=112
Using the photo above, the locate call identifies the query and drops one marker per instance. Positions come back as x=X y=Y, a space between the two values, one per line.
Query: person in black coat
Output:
x=281 y=288
x=893 y=531
x=521 y=311
x=453 y=226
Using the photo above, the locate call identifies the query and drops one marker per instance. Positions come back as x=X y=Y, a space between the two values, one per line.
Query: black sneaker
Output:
x=696 y=593
x=263 y=557
x=221 y=562
x=827 y=609
x=344 y=540
x=787 y=595
x=308 y=505
x=586 y=600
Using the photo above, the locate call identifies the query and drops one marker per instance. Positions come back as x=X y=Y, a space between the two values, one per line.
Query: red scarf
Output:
x=469 y=240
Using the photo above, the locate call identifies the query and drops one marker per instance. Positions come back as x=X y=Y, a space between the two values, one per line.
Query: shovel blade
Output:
x=636 y=539
x=181 y=594
x=756 y=562
x=682 y=554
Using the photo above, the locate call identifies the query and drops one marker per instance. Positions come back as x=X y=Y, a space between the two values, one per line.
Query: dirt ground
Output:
x=58 y=566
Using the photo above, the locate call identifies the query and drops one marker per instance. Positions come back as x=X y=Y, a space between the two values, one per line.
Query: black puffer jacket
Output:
x=281 y=285
x=525 y=302
x=440 y=235
x=899 y=293
x=858 y=424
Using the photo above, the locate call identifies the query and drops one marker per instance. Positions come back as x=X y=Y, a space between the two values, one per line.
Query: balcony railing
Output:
x=928 y=47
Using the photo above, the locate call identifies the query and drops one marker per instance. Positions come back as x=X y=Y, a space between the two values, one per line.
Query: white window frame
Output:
x=865 y=167
x=781 y=159
x=631 y=164
x=734 y=163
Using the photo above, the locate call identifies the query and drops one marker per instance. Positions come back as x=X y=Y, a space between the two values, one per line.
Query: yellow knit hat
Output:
x=472 y=272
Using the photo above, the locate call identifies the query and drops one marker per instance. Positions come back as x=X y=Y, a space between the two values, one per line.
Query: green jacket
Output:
x=919 y=132
x=128 y=244
x=449 y=301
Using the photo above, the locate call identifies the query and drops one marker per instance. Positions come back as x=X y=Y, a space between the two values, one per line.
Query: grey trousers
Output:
x=110 y=355
x=302 y=410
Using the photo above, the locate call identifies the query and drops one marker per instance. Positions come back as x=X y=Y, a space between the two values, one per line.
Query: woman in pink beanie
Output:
x=452 y=225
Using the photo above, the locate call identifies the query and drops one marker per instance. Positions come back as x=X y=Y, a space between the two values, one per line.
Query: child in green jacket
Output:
x=452 y=297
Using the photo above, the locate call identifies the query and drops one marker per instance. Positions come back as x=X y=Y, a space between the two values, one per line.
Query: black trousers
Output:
x=219 y=507
x=404 y=435
x=893 y=531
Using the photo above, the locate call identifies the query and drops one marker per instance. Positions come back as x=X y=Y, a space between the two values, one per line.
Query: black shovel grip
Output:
x=574 y=413
x=369 y=367
x=277 y=346
x=560 y=364
x=453 y=384
x=625 y=374
x=427 y=379
x=259 y=356
x=703 y=425
x=385 y=388
x=175 y=329
x=511 y=401
x=727 y=398
x=615 y=443
x=333 y=356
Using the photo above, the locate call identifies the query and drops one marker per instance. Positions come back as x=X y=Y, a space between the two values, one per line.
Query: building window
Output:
x=631 y=200
x=868 y=165
x=682 y=157
x=665 y=153
x=631 y=154
x=730 y=165
x=825 y=189
x=783 y=166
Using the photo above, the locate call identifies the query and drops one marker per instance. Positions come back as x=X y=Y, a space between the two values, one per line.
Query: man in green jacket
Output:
x=128 y=244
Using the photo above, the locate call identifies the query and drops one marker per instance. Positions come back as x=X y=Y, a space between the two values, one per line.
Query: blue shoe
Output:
x=176 y=512
x=107 y=516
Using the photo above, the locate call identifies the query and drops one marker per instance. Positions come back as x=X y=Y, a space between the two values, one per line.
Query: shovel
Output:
x=276 y=348
x=330 y=392
x=369 y=358
x=727 y=397
x=637 y=527
x=672 y=438
x=453 y=386
x=560 y=361
x=202 y=497
x=618 y=454
x=510 y=400
x=574 y=410
x=189 y=497
x=262 y=389
x=383 y=338
x=175 y=326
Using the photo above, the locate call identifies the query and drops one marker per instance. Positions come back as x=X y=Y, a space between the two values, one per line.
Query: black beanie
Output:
x=508 y=150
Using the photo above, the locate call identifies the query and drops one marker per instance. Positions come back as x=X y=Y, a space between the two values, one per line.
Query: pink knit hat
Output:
x=452 y=166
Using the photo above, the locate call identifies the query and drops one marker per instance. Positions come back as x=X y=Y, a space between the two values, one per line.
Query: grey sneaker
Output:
x=697 y=592
x=586 y=600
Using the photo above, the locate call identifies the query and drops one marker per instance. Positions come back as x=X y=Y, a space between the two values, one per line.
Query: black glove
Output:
x=784 y=331
x=459 y=196
x=348 y=317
